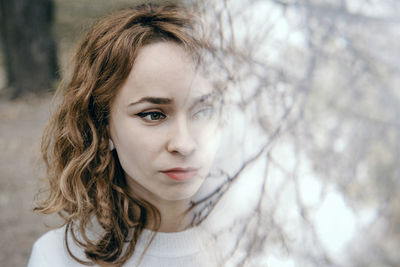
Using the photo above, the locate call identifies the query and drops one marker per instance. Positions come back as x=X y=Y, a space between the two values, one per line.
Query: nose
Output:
x=181 y=141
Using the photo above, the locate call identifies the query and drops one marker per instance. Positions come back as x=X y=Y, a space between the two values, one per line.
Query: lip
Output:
x=180 y=174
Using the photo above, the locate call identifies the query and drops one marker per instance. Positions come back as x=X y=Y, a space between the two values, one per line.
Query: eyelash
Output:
x=208 y=110
x=143 y=115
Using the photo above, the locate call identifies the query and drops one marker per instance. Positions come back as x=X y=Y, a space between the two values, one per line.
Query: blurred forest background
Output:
x=315 y=83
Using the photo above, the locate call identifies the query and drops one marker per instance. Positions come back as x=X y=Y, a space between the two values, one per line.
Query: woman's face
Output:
x=164 y=124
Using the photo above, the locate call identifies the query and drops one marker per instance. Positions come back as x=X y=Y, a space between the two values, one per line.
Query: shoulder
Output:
x=50 y=250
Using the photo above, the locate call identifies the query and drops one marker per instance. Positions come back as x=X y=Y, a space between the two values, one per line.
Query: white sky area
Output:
x=335 y=223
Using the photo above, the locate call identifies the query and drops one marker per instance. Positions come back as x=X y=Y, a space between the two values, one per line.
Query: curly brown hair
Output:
x=85 y=177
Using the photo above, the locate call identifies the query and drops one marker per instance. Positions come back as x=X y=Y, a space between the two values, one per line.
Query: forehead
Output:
x=164 y=69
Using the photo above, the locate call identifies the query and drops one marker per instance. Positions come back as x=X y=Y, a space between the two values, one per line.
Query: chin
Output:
x=179 y=194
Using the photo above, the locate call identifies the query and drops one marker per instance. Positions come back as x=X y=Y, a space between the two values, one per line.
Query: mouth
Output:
x=181 y=174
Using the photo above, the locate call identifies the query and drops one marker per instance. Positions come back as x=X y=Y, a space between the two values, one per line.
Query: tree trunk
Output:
x=29 y=50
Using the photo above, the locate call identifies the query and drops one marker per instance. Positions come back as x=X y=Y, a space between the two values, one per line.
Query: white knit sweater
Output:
x=192 y=247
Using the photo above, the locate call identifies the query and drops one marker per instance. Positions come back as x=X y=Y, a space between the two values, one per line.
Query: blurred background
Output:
x=313 y=93
x=38 y=40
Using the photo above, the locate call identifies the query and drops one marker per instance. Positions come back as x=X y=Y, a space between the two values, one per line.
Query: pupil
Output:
x=155 y=116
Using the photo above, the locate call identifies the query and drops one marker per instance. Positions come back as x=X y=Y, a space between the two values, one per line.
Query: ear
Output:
x=110 y=141
x=111 y=144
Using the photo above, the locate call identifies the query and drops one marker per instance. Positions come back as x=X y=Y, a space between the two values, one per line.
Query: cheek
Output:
x=137 y=151
x=209 y=139
x=138 y=142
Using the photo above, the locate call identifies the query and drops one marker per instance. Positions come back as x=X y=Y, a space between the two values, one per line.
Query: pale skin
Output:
x=164 y=117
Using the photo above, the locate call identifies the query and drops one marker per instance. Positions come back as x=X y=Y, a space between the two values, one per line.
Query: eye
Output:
x=204 y=113
x=152 y=116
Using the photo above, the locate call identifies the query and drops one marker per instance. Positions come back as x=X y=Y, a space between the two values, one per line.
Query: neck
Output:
x=173 y=213
x=174 y=216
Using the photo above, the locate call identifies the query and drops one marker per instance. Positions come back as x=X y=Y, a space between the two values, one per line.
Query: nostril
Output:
x=181 y=144
x=181 y=139
x=182 y=147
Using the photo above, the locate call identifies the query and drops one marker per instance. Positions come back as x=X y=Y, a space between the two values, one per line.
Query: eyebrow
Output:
x=165 y=101
x=203 y=98
x=153 y=100
x=213 y=96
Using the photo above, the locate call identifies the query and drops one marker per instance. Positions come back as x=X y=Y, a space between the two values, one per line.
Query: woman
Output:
x=130 y=145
